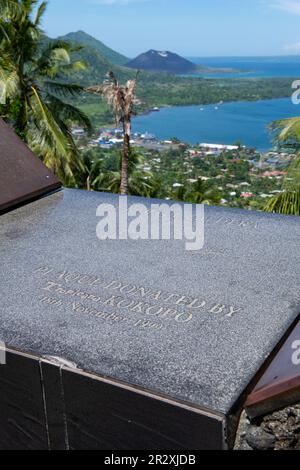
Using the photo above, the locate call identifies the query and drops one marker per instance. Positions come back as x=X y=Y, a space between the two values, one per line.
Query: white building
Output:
x=217 y=147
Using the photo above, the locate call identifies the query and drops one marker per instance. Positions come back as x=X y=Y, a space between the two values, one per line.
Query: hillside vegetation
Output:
x=161 y=89
x=80 y=37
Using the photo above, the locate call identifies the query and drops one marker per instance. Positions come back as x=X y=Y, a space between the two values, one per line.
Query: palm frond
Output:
x=66 y=112
x=293 y=176
x=50 y=139
x=60 y=70
x=62 y=89
x=287 y=203
x=44 y=119
x=108 y=181
x=286 y=130
x=97 y=90
x=40 y=12
x=10 y=8
x=51 y=58
x=9 y=80
x=120 y=98
x=54 y=54
x=27 y=73
x=68 y=69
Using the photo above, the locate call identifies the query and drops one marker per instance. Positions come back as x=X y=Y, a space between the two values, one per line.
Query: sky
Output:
x=192 y=28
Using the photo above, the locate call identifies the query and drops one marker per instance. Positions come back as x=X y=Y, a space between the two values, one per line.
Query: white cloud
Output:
x=293 y=48
x=291 y=6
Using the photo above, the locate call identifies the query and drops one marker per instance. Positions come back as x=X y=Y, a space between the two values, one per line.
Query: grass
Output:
x=99 y=114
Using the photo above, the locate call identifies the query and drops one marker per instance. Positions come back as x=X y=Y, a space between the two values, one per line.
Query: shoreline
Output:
x=262 y=143
x=171 y=106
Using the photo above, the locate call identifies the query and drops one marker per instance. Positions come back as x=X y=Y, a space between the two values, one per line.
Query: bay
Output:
x=223 y=124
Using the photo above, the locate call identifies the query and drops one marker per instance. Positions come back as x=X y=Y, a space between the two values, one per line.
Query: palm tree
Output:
x=122 y=100
x=9 y=8
x=91 y=165
x=140 y=181
x=33 y=86
x=197 y=193
x=288 y=202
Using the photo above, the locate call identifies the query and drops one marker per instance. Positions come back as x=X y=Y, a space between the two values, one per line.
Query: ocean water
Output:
x=252 y=67
x=236 y=121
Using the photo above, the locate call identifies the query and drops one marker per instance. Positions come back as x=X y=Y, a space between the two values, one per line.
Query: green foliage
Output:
x=40 y=82
x=196 y=193
x=165 y=90
x=287 y=131
x=34 y=87
x=161 y=89
x=84 y=39
x=169 y=90
x=102 y=170
x=287 y=203
x=9 y=8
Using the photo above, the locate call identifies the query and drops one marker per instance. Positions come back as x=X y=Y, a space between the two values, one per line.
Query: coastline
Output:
x=241 y=120
x=213 y=103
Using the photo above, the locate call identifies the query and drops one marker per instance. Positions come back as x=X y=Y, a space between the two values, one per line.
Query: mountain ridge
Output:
x=85 y=39
x=157 y=88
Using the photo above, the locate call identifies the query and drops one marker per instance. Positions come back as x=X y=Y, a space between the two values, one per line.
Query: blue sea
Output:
x=230 y=122
x=251 y=67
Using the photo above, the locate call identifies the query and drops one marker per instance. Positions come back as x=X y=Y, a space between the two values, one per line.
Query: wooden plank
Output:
x=280 y=384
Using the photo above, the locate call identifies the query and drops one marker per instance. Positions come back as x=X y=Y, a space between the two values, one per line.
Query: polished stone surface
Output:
x=198 y=325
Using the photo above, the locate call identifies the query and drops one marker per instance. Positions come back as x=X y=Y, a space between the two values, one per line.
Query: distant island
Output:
x=158 y=89
x=162 y=61
x=169 y=62
x=211 y=70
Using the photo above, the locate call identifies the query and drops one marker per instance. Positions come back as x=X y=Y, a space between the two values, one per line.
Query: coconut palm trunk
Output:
x=21 y=119
x=122 y=100
x=125 y=156
x=88 y=183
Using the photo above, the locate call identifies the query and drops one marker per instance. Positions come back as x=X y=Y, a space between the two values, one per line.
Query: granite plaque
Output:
x=22 y=175
x=158 y=346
